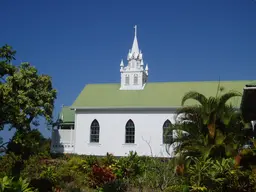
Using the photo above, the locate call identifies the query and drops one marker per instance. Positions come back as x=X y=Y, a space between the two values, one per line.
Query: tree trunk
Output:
x=211 y=130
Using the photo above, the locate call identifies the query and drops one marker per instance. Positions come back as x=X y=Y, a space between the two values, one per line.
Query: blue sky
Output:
x=81 y=42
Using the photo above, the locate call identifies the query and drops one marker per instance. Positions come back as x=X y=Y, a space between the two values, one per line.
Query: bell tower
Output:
x=134 y=76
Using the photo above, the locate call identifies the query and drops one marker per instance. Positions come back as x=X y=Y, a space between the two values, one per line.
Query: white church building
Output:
x=128 y=116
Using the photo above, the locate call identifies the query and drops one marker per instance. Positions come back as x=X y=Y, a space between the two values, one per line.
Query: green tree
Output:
x=210 y=128
x=29 y=143
x=25 y=95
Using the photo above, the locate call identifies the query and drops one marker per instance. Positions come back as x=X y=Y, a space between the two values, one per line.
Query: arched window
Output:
x=129 y=132
x=167 y=134
x=135 y=82
x=95 y=132
x=127 y=79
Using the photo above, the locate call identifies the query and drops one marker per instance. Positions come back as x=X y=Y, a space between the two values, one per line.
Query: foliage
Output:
x=7 y=163
x=211 y=128
x=25 y=95
x=101 y=175
x=9 y=185
x=160 y=174
x=207 y=134
x=130 y=166
x=1 y=145
x=28 y=143
x=108 y=160
x=74 y=171
x=219 y=175
x=115 y=186
x=198 y=172
x=82 y=172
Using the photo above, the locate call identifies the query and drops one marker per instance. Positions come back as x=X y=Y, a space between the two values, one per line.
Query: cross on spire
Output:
x=135 y=30
x=135 y=46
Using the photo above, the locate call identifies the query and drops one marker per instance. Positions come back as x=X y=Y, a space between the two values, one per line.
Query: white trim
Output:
x=246 y=88
x=124 y=107
x=132 y=108
x=75 y=128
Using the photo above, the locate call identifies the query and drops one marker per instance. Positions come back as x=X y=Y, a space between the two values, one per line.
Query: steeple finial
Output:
x=135 y=46
x=135 y=30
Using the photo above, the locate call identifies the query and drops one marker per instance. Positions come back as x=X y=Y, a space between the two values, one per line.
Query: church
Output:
x=131 y=115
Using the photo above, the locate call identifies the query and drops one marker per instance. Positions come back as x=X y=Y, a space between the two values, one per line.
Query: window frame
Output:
x=167 y=138
x=130 y=134
x=95 y=137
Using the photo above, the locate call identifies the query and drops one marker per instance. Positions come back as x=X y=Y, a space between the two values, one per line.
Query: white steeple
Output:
x=134 y=76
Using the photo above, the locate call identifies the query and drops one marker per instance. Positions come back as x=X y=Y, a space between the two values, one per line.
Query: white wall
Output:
x=131 y=85
x=148 y=126
x=63 y=141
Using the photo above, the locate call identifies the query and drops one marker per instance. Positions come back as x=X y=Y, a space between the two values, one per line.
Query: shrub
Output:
x=7 y=163
x=130 y=166
x=42 y=184
x=115 y=186
x=73 y=173
x=100 y=176
x=91 y=160
x=160 y=175
x=108 y=160
x=177 y=188
x=7 y=184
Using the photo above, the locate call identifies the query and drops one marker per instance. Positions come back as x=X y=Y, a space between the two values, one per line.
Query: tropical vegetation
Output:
x=214 y=149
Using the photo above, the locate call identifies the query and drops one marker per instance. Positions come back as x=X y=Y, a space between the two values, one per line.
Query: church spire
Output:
x=134 y=76
x=135 y=45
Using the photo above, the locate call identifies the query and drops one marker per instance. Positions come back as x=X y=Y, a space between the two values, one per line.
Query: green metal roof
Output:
x=67 y=115
x=166 y=94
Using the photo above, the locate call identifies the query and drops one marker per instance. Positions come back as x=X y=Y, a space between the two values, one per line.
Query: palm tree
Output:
x=210 y=128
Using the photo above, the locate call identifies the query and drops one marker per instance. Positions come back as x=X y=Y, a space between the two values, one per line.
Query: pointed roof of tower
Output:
x=146 y=67
x=122 y=63
x=135 y=45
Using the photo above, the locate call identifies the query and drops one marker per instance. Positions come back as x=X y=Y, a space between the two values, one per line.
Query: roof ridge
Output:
x=156 y=82
x=198 y=81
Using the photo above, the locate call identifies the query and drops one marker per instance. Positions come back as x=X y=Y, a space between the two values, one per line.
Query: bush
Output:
x=74 y=173
x=8 y=184
x=79 y=173
x=160 y=175
x=130 y=166
x=115 y=186
x=100 y=176
x=7 y=163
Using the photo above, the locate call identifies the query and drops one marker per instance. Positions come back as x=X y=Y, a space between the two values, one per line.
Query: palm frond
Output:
x=206 y=128
x=227 y=96
x=194 y=95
